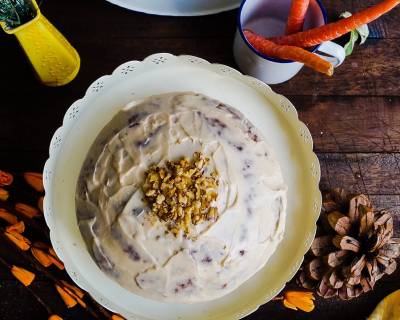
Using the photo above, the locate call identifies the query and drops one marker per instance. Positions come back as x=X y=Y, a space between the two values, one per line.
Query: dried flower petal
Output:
x=55 y=317
x=117 y=317
x=7 y=216
x=69 y=301
x=5 y=178
x=72 y=294
x=40 y=204
x=55 y=259
x=75 y=289
x=18 y=227
x=19 y=240
x=24 y=276
x=4 y=194
x=302 y=300
x=289 y=305
x=27 y=210
x=41 y=256
x=35 y=180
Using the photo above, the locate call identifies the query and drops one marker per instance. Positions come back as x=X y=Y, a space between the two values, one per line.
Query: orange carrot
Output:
x=289 y=53
x=296 y=16
x=334 y=30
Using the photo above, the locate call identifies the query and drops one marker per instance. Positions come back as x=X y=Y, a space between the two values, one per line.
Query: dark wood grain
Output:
x=371 y=123
x=370 y=173
x=361 y=74
x=354 y=117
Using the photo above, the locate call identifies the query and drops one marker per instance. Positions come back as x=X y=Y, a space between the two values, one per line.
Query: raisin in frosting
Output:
x=138 y=250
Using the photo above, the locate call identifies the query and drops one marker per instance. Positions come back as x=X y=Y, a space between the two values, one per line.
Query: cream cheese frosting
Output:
x=137 y=250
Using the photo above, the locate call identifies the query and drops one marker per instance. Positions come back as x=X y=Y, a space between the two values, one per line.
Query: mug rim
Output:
x=240 y=27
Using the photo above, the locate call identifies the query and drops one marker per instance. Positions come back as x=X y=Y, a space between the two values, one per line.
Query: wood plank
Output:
x=127 y=24
x=94 y=65
x=351 y=124
x=20 y=305
x=111 y=20
x=372 y=69
x=356 y=309
x=370 y=124
x=17 y=303
x=369 y=173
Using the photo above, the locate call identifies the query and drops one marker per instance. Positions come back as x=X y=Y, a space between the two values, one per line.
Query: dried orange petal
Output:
x=72 y=294
x=41 y=256
x=69 y=301
x=24 y=276
x=56 y=262
x=35 y=180
x=55 y=259
x=27 y=210
x=4 y=194
x=18 y=227
x=75 y=289
x=302 y=300
x=55 y=317
x=5 y=178
x=7 y=216
x=19 y=240
x=289 y=305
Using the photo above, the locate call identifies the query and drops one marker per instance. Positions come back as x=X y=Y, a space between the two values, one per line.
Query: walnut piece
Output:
x=181 y=193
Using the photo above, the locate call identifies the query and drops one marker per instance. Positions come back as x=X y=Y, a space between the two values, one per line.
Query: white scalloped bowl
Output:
x=178 y=7
x=271 y=113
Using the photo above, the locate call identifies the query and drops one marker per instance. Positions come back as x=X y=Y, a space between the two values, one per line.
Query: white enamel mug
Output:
x=268 y=18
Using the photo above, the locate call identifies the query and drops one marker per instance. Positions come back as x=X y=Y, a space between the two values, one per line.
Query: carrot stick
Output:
x=296 y=16
x=289 y=53
x=334 y=30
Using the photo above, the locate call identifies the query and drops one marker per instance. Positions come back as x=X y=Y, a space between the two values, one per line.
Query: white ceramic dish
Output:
x=273 y=114
x=178 y=7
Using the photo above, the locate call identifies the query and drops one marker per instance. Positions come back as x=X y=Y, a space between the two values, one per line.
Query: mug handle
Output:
x=332 y=52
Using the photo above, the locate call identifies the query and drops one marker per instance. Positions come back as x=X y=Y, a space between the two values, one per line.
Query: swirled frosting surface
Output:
x=137 y=250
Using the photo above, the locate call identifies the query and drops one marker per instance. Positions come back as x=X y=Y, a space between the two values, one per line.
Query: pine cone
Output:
x=353 y=248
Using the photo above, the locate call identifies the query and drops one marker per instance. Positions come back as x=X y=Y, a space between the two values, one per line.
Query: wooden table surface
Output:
x=353 y=116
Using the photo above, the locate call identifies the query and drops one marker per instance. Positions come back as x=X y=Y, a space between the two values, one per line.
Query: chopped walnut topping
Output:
x=181 y=193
